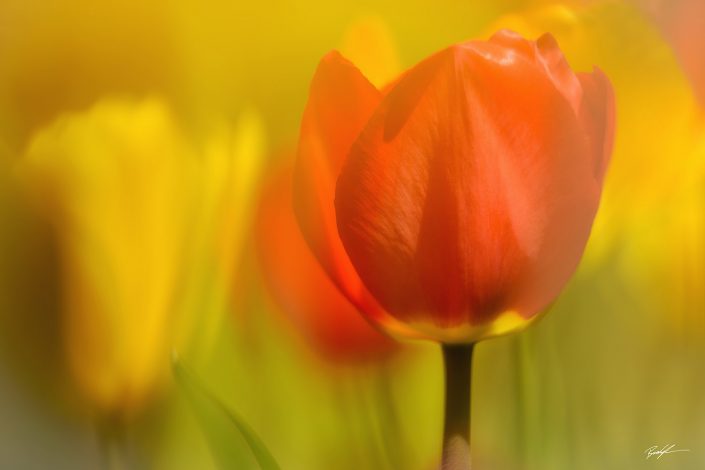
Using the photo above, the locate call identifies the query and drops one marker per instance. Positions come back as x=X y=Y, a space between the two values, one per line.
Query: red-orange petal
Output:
x=470 y=192
x=302 y=289
x=340 y=103
x=597 y=115
x=341 y=100
x=545 y=53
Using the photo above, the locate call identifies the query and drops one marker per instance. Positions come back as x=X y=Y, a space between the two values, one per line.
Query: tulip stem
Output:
x=112 y=440
x=457 y=360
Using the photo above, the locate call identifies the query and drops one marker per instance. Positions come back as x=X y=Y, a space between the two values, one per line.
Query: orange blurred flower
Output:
x=465 y=192
x=299 y=285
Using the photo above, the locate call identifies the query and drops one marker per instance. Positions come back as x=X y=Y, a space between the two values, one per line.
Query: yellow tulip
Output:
x=134 y=206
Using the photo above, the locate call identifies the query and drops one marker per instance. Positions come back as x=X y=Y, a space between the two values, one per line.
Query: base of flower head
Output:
x=506 y=322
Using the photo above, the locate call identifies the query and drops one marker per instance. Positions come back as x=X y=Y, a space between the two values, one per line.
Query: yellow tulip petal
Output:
x=369 y=45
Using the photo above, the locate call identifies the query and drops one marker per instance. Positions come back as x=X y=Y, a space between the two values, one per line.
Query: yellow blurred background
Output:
x=135 y=138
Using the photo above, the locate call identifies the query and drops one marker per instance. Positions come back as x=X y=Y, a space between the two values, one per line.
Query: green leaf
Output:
x=233 y=443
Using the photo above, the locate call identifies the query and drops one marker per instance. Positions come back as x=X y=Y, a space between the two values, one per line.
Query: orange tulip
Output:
x=456 y=203
x=298 y=284
x=465 y=194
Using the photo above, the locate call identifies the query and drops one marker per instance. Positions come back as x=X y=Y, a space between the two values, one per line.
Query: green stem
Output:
x=457 y=360
x=113 y=443
x=113 y=458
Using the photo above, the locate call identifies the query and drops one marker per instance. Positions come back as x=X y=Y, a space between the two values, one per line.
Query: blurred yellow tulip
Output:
x=136 y=205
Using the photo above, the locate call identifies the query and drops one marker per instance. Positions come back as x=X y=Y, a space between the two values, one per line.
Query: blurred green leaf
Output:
x=233 y=443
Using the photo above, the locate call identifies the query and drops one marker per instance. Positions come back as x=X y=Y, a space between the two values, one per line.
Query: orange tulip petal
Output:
x=471 y=190
x=545 y=53
x=303 y=290
x=341 y=101
x=597 y=114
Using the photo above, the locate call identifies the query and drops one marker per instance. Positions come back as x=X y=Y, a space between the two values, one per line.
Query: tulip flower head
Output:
x=455 y=204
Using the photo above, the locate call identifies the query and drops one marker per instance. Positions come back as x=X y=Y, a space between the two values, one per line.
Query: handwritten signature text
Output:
x=661 y=451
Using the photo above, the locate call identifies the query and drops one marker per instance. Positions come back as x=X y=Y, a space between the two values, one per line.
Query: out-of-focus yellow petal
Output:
x=664 y=255
x=369 y=45
x=232 y=161
x=235 y=163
